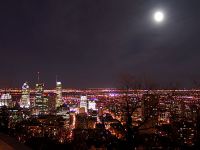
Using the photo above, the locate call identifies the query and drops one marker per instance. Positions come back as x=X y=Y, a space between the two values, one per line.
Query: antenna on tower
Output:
x=38 y=77
x=56 y=78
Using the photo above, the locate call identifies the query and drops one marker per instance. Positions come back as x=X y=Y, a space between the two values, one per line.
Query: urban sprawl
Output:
x=101 y=118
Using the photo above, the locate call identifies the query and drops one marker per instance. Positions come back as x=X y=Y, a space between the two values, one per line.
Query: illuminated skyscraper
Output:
x=92 y=104
x=6 y=100
x=25 y=98
x=84 y=103
x=59 y=101
x=41 y=102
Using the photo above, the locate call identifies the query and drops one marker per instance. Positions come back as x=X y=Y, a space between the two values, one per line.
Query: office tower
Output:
x=100 y=111
x=149 y=105
x=92 y=104
x=59 y=101
x=92 y=110
x=81 y=121
x=6 y=100
x=25 y=98
x=84 y=104
x=32 y=101
x=163 y=112
x=52 y=103
x=149 y=109
x=41 y=102
x=163 y=118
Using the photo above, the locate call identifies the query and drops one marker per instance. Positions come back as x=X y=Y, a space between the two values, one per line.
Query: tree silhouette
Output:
x=130 y=83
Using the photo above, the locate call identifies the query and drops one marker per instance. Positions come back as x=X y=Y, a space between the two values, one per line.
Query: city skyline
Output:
x=91 y=43
x=99 y=74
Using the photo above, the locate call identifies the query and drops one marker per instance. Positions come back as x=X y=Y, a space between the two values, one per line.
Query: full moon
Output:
x=158 y=16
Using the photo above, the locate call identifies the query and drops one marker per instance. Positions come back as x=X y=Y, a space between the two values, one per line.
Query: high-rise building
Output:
x=84 y=103
x=52 y=103
x=81 y=121
x=149 y=109
x=41 y=102
x=25 y=98
x=6 y=100
x=92 y=104
x=163 y=118
x=32 y=101
x=149 y=105
x=59 y=101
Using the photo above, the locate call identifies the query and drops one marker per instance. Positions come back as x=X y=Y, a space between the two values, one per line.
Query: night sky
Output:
x=90 y=43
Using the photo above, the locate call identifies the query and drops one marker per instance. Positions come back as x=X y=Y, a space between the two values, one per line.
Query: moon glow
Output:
x=158 y=16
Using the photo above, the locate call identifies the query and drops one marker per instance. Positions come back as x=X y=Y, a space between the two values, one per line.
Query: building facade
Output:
x=41 y=102
x=25 y=98
x=6 y=100
x=84 y=104
x=59 y=101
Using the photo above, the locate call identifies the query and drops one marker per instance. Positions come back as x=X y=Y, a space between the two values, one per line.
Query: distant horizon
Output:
x=107 y=88
x=187 y=84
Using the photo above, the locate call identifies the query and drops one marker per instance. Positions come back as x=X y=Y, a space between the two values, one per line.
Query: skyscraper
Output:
x=149 y=109
x=92 y=104
x=84 y=103
x=6 y=100
x=59 y=101
x=41 y=102
x=25 y=98
x=149 y=105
